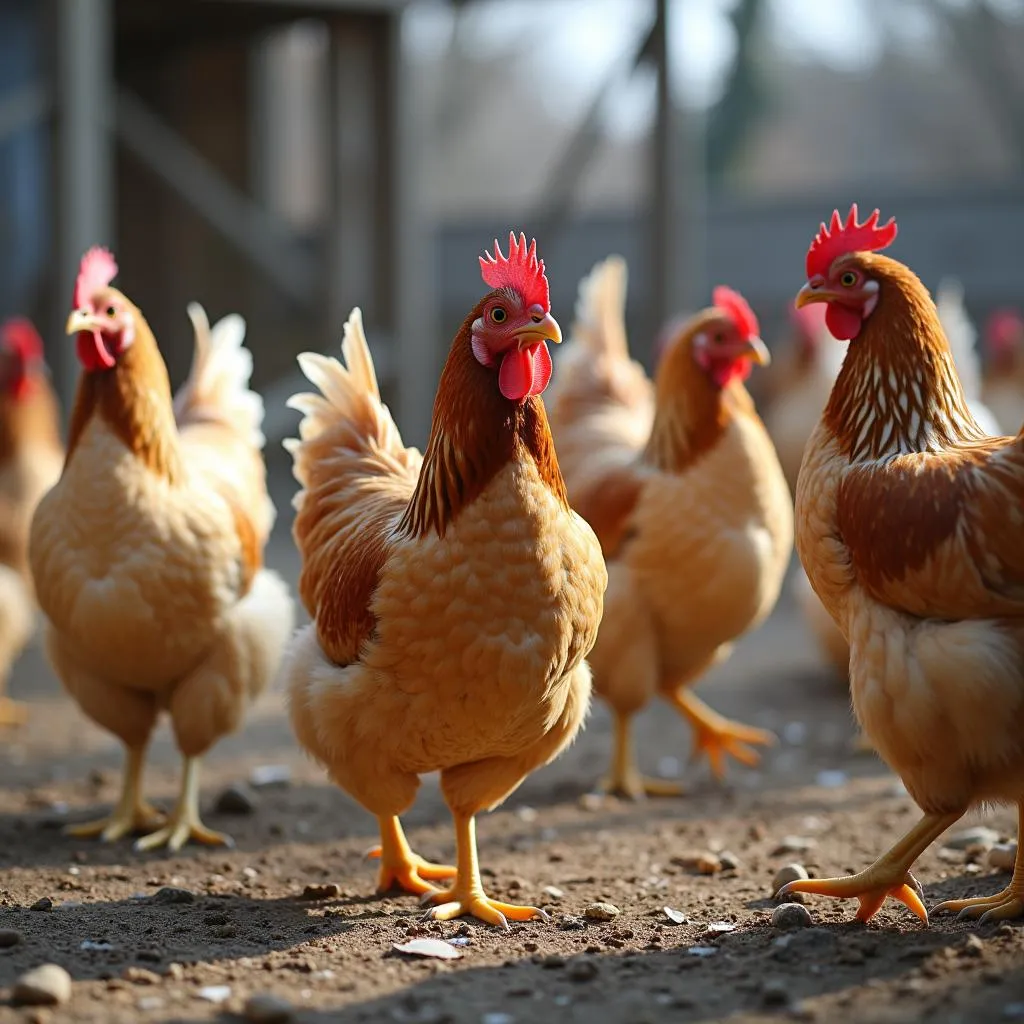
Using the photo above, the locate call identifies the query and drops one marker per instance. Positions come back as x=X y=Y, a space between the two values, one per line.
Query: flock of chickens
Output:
x=464 y=601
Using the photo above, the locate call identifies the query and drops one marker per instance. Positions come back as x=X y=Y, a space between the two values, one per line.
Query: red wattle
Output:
x=92 y=353
x=541 y=369
x=843 y=322
x=525 y=373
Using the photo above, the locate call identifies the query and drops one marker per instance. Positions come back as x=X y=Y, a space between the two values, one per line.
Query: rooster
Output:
x=909 y=526
x=1003 y=382
x=147 y=554
x=454 y=595
x=31 y=456
x=684 y=490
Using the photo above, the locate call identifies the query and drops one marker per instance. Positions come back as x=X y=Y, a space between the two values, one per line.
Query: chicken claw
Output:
x=717 y=736
x=12 y=712
x=403 y=869
x=1003 y=906
x=869 y=887
x=456 y=902
x=185 y=822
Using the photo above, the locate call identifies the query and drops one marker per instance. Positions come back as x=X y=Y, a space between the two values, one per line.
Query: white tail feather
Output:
x=601 y=309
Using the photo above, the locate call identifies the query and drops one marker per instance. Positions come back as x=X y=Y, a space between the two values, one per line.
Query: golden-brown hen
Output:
x=147 y=554
x=685 y=493
x=455 y=596
x=909 y=526
x=31 y=456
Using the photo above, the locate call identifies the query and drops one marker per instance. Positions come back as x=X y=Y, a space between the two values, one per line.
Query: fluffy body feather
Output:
x=454 y=596
x=682 y=486
x=147 y=555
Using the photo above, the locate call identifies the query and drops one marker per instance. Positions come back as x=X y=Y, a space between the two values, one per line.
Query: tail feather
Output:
x=600 y=324
x=217 y=389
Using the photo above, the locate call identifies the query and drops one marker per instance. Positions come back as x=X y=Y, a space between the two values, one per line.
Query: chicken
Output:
x=909 y=527
x=31 y=456
x=147 y=554
x=1003 y=381
x=454 y=596
x=684 y=490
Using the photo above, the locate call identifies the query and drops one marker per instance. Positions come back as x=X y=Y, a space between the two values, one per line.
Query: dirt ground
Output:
x=246 y=929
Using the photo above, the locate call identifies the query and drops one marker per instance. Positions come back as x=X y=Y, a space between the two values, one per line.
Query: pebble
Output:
x=42 y=904
x=235 y=800
x=601 y=912
x=977 y=836
x=675 y=916
x=9 y=938
x=581 y=970
x=329 y=891
x=265 y=775
x=701 y=861
x=267 y=1009
x=48 y=985
x=1002 y=856
x=973 y=946
x=774 y=992
x=215 y=993
x=172 y=895
x=571 y=923
x=729 y=861
x=140 y=976
x=786 y=874
x=794 y=844
x=553 y=891
x=791 y=915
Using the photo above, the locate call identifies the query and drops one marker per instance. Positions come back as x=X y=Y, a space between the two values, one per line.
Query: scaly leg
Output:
x=624 y=777
x=12 y=712
x=185 y=823
x=400 y=868
x=716 y=735
x=1003 y=905
x=132 y=813
x=888 y=876
x=467 y=895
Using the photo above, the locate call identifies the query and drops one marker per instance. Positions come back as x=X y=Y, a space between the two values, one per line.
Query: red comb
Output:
x=521 y=270
x=838 y=239
x=96 y=271
x=1003 y=329
x=735 y=307
x=20 y=337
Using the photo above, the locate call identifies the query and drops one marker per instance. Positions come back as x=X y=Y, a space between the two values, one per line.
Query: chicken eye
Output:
x=719 y=337
x=848 y=280
x=111 y=311
x=498 y=315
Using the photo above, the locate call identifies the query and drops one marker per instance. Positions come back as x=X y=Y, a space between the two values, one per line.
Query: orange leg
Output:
x=624 y=777
x=400 y=868
x=467 y=895
x=1003 y=905
x=716 y=735
x=888 y=876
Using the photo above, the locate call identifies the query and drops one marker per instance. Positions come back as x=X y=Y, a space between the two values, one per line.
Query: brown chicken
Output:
x=909 y=525
x=147 y=554
x=683 y=488
x=31 y=456
x=1003 y=381
x=455 y=595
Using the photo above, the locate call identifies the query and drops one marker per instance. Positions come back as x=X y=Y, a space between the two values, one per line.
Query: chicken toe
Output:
x=624 y=778
x=132 y=813
x=185 y=822
x=400 y=868
x=717 y=736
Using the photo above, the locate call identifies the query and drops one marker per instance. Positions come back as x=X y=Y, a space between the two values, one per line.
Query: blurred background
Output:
x=287 y=159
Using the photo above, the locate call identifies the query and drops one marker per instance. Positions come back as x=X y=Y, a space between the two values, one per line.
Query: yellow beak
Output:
x=757 y=351
x=546 y=329
x=79 y=321
x=807 y=295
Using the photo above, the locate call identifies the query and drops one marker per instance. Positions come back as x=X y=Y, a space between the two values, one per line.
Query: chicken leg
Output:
x=400 y=868
x=467 y=895
x=888 y=876
x=132 y=813
x=185 y=823
x=12 y=712
x=1003 y=905
x=716 y=736
x=624 y=777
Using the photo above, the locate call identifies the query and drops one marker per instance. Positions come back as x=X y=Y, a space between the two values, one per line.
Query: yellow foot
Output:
x=179 y=831
x=456 y=902
x=1003 y=906
x=631 y=784
x=119 y=824
x=12 y=713
x=869 y=887
x=719 y=737
x=412 y=873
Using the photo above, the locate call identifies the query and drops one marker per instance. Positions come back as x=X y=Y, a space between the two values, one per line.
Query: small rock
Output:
x=329 y=891
x=235 y=800
x=581 y=970
x=434 y=948
x=787 y=916
x=973 y=946
x=264 y=1008
x=601 y=912
x=716 y=928
x=794 y=844
x=148 y=1003
x=774 y=992
x=42 y=904
x=171 y=895
x=571 y=923
x=553 y=891
x=729 y=861
x=266 y=775
x=977 y=836
x=701 y=861
x=591 y=802
x=786 y=874
x=675 y=916
x=1002 y=856
x=215 y=993
x=9 y=938
x=48 y=985
x=140 y=976
x=527 y=814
